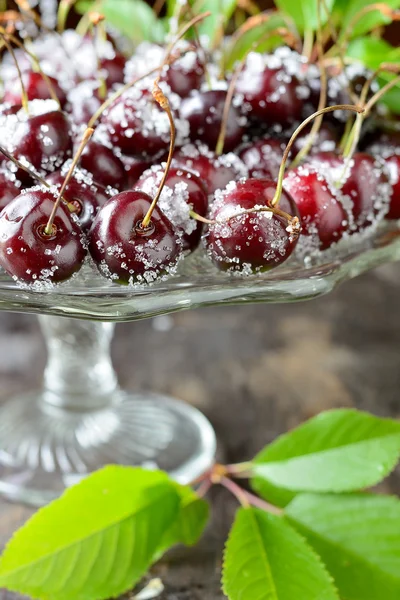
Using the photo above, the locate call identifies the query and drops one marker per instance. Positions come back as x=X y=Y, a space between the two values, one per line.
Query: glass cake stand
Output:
x=81 y=419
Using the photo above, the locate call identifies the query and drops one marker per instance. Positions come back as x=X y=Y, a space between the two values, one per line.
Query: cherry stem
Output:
x=86 y=137
x=163 y=102
x=183 y=32
x=98 y=34
x=62 y=15
x=36 y=62
x=248 y=499
x=200 y=218
x=322 y=96
x=376 y=97
x=24 y=95
x=219 y=148
x=328 y=109
x=189 y=9
x=203 y=488
x=308 y=43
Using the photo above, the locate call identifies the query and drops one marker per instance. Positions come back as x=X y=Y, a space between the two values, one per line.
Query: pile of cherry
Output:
x=220 y=202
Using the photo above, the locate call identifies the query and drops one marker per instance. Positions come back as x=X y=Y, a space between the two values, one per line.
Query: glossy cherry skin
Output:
x=326 y=140
x=125 y=254
x=81 y=195
x=132 y=125
x=215 y=171
x=104 y=165
x=10 y=187
x=134 y=168
x=271 y=95
x=197 y=197
x=250 y=242
x=113 y=68
x=204 y=112
x=43 y=140
x=392 y=163
x=263 y=157
x=184 y=79
x=83 y=101
x=321 y=212
x=26 y=253
x=36 y=89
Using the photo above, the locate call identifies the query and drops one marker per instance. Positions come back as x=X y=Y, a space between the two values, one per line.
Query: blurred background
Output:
x=255 y=371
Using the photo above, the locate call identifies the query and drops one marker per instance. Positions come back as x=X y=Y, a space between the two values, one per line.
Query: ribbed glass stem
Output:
x=79 y=374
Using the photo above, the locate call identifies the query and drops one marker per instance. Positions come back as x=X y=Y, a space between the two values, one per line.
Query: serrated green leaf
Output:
x=358 y=538
x=221 y=12
x=339 y=450
x=274 y=494
x=190 y=522
x=253 y=39
x=266 y=559
x=133 y=18
x=94 y=542
x=369 y=21
x=304 y=13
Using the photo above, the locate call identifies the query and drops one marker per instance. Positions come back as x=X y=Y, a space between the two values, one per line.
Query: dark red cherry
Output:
x=182 y=188
x=81 y=194
x=134 y=167
x=270 y=95
x=215 y=171
x=392 y=163
x=125 y=252
x=83 y=101
x=104 y=165
x=113 y=69
x=263 y=157
x=36 y=88
x=204 y=112
x=26 y=252
x=10 y=187
x=367 y=186
x=185 y=75
x=137 y=125
x=322 y=215
x=43 y=140
x=250 y=242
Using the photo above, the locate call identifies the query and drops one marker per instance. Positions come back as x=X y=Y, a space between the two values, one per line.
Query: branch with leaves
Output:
x=308 y=529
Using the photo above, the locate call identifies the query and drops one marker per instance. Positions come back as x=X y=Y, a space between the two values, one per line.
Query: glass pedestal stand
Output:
x=81 y=420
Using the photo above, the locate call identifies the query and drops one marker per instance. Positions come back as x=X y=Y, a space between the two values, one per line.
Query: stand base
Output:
x=44 y=449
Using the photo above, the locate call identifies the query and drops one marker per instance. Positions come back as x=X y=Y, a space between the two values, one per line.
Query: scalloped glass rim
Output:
x=199 y=284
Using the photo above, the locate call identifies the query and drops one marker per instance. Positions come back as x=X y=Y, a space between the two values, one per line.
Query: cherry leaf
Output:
x=347 y=13
x=339 y=450
x=211 y=27
x=304 y=13
x=94 y=542
x=358 y=538
x=266 y=559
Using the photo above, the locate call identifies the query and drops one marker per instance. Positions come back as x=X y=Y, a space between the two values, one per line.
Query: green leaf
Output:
x=94 y=542
x=369 y=21
x=265 y=559
x=221 y=12
x=190 y=522
x=339 y=450
x=274 y=494
x=358 y=538
x=252 y=39
x=304 y=13
x=133 y=18
x=372 y=52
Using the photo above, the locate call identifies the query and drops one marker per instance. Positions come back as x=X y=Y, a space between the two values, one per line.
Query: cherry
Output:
x=134 y=168
x=26 y=252
x=255 y=241
x=138 y=126
x=263 y=157
x=326 y=140
x=43 y=140
x=113 y=68
x=105 y=166
x=36 y=88
x=270 y=94
x=125 y=252
x=392 y=162
x=321 y=212
x=83 y=101
x=215 y=171
x=184 y=190
x=9 y=187
x=204 y=112
x=81 y=193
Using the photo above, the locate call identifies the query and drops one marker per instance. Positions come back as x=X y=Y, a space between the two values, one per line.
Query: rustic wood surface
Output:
x=255 y=371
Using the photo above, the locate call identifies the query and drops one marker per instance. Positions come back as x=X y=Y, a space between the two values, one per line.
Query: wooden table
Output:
x=255 y=371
